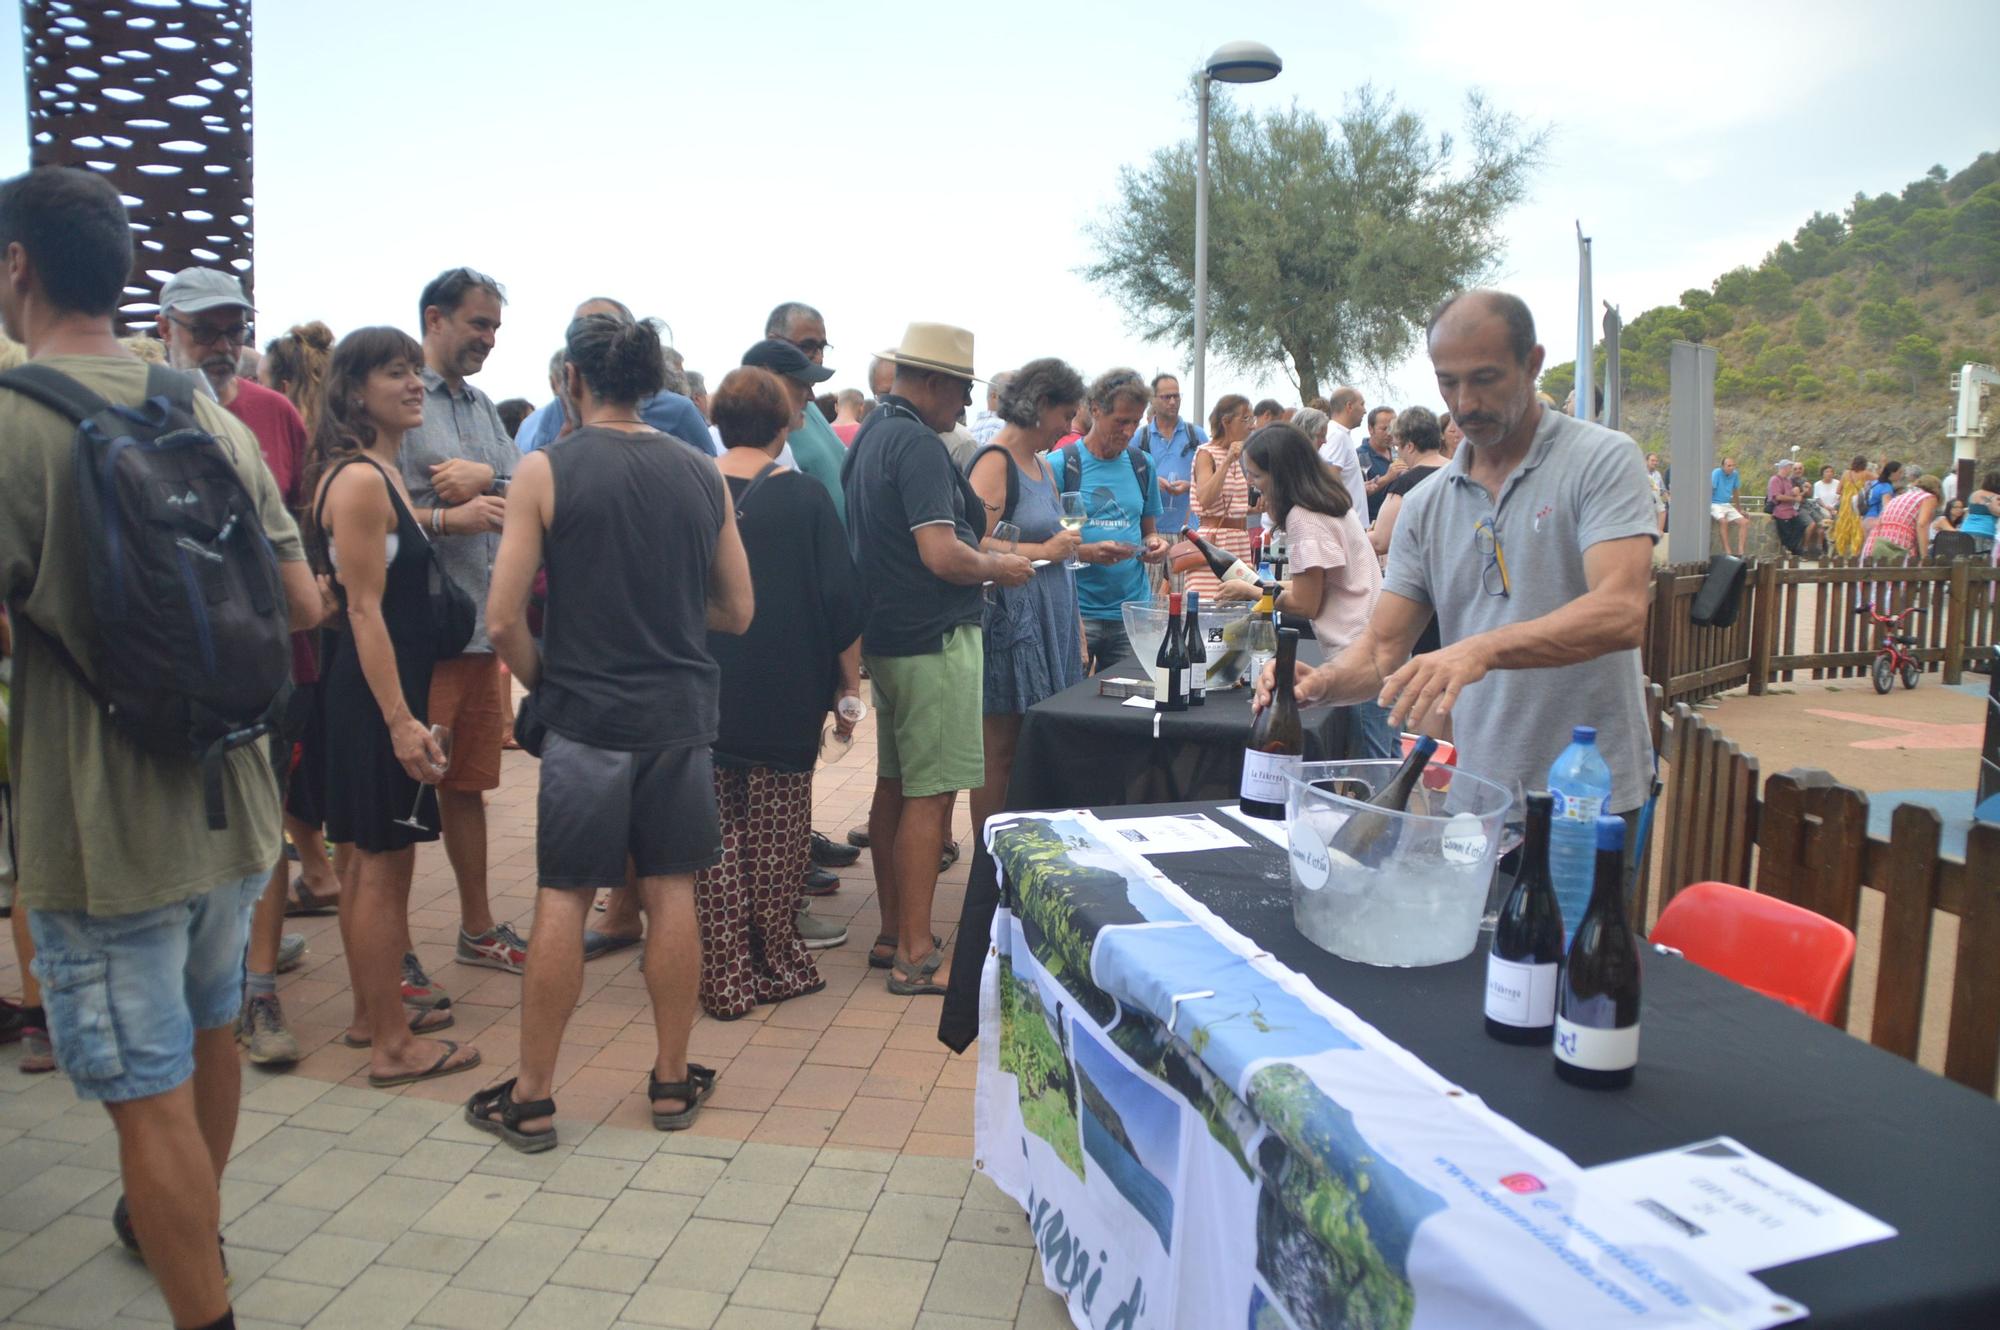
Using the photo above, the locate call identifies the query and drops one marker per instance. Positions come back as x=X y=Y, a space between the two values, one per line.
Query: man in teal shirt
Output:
x=1122 y=499
x=816 y=447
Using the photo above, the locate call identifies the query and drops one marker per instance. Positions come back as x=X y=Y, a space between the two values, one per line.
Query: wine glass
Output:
x=1074 y=514
x=441 y=736
x=1006 y=538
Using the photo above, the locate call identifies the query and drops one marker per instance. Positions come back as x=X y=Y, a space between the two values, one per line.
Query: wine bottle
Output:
x=1277 y=741
x=1172 y=658
x=1370 y=834
x=1597 y=999
x=1280 y=554
x=1197 y=653
x=1226 y=566
x=1524 y=963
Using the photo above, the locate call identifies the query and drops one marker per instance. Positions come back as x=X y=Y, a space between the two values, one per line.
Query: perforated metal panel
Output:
x=156 y=95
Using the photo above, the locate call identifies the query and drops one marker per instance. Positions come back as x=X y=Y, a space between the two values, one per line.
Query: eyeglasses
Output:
x=1487 y=540
x=1166 y=397
x=813 y=345
x=204 y=335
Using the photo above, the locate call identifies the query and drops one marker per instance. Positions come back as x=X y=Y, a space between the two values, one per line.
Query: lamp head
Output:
x=1243 y=62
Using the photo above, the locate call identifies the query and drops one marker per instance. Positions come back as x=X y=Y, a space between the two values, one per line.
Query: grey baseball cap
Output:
x=192 y=290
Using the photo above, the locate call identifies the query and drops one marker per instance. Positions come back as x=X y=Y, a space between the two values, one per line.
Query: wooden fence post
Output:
x=1972 y=1048
x=1954 y=621
x=1763 y=613
x=1659 y=651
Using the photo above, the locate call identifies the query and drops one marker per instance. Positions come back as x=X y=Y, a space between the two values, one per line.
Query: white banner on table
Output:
x=1200 y=1138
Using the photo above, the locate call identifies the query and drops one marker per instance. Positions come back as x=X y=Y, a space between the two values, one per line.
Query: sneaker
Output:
x=418 y=990
x=291 y=951
x=38 y=1055
x=820 y=882
x=858 y=837
x=501 y=949
x=262 y=1029
x=818 y=934
x=828 y=855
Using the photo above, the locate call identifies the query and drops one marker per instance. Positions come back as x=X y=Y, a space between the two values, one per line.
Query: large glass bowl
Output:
x=1221 y=624
x=1387 y=888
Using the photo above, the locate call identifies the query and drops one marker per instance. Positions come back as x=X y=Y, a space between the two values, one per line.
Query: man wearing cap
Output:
x=204 y=321
x=1781 y=500
x=816 y=448
x=914 y=526
x=453 y=464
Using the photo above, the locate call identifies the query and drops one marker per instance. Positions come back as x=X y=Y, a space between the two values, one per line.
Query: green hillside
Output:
x=1860 y=315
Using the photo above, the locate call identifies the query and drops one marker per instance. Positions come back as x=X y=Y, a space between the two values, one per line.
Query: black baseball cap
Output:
x=782 y=357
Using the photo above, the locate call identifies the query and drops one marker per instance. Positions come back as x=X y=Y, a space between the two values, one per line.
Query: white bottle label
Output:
x=1312 y=862
x=1575 y=807
x=1597 y=1050
x=1264 y=776
x=1520 y=992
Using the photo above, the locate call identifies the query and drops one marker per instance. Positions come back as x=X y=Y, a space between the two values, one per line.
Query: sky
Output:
x=892 y=161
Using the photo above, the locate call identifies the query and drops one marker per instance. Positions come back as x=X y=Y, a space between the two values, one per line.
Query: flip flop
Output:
x=497 y=1111
x=430 y=1073
x=884 y=940
x=417 y=1026
x=919 y=982
x=303 y=902
x=597 y=944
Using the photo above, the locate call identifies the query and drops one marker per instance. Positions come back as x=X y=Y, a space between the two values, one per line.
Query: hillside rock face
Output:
x=1757 y=434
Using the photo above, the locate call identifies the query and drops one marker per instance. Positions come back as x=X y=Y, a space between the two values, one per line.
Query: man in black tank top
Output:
x=640 y=545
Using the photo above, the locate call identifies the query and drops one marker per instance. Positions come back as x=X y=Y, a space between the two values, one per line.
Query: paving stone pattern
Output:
x=828 y=1183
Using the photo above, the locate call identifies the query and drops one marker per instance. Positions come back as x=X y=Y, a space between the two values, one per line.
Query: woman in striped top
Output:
x=1902 y=534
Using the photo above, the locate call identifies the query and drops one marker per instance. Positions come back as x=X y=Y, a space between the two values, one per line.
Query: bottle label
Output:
x=1464 y=842
x=1597 y=1050
x=1264 y=776
x=1575 y=807
x=1521 y=992
x=1312 y=862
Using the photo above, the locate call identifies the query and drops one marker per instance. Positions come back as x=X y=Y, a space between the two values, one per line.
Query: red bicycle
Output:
x=1897 y=654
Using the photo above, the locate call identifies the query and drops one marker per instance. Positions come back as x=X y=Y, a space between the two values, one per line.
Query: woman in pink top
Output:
x=1336 y=578
x=1902 y=534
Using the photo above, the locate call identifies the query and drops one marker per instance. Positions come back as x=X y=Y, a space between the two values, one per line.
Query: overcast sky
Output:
x=898 y=161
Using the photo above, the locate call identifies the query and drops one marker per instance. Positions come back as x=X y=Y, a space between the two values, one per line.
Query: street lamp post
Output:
x=1233 y=62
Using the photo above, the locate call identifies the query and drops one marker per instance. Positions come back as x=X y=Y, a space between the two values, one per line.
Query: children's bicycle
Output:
x=1897 y=654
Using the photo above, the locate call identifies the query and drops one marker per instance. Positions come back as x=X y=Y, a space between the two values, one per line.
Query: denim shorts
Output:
x=125 y=994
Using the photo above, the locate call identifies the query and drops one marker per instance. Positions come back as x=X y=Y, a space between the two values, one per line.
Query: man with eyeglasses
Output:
x=1533 y=547
x=1171 y=442
x=205 y=321
x=817 y=449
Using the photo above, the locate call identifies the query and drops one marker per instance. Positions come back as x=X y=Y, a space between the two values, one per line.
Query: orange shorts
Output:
x=466 y=699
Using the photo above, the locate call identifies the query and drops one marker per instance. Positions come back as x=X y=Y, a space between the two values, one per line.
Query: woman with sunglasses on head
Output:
x=1336 y=578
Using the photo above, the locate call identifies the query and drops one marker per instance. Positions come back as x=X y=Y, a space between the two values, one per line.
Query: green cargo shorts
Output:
x=927 y=716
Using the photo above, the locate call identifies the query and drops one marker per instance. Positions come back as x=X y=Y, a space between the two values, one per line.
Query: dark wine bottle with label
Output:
x=1369 y=835
x=1172 y=659
x=1277 y=741
x=1226 y=566
x=1597 y=999
x=1525 y=961
x=1196 y=652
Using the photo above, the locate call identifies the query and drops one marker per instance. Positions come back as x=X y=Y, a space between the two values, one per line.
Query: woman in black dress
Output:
x=380 y=755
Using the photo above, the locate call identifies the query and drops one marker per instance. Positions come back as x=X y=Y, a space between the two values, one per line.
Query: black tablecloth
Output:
x=1917 y=1151
x=1080 y=750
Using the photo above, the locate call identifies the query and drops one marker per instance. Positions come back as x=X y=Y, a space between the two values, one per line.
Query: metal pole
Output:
x=1691 y=439
x=1197 y=371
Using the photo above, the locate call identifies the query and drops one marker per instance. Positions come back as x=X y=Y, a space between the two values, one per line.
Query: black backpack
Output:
x=1072 y=469
x=191 y=655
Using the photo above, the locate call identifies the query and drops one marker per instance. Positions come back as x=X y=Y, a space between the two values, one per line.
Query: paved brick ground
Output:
x=828 y=1183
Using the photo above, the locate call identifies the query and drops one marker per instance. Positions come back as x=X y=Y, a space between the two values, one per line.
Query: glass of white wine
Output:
x=1074 y=514
x=1005 y=538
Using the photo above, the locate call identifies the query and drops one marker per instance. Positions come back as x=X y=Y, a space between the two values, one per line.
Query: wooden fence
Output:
x=1796 y=618
x=1805 y=839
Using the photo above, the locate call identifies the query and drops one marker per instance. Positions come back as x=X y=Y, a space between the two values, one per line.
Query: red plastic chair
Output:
x=1769 y=946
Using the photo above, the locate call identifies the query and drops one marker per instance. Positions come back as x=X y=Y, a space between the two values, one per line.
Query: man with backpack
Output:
x=1122 y=501
x=151 y=617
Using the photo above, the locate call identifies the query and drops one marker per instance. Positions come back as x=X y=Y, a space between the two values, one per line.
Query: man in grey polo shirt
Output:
x=455 y=465
x=1534 y=549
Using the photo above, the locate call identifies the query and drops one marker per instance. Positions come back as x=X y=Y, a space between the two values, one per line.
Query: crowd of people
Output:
x=1883 y=512
x=689 y=586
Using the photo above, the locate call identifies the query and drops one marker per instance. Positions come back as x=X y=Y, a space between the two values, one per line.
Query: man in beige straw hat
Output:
x=913 y=526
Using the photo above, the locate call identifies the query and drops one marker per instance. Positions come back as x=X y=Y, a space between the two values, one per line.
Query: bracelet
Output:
x=437 y=521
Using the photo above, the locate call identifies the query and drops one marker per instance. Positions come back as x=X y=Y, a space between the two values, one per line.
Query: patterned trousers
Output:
x=748 y=903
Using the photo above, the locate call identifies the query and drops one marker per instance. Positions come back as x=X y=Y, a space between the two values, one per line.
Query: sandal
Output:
x=885 y=940
x=444 y=1066
x=699 y=1085
x=497 y=1111
x=948 y=856
x=914 y=980
x=420 y=1023
x=304 y=902
x=38 y=1055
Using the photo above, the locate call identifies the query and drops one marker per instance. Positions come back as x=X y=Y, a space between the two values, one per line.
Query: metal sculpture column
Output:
x=156 y=95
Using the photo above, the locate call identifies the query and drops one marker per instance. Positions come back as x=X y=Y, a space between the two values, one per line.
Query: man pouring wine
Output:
x=1534 y=550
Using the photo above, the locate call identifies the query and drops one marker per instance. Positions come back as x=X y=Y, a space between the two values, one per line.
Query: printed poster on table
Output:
x=1200 y=1138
